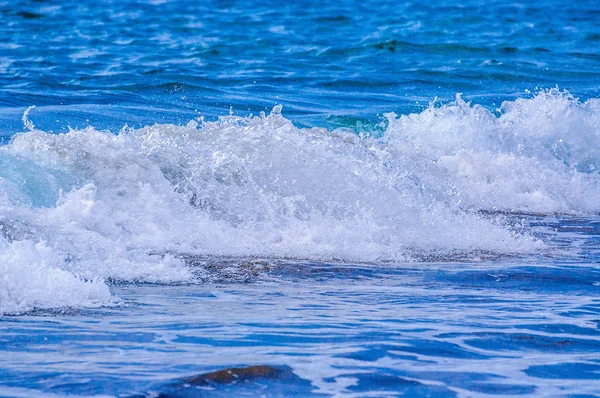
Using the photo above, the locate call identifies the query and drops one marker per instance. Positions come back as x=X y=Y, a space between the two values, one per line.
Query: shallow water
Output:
x=525 y=325
x=508 y=326
x=420 y=217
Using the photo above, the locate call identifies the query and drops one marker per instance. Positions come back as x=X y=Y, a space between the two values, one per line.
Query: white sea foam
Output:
x=80 y=208
x=31 y=276
x=540 y=155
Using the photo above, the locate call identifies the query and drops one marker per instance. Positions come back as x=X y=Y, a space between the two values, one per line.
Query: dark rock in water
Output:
x=245 y=381
x=29 y=15
x=234 y=375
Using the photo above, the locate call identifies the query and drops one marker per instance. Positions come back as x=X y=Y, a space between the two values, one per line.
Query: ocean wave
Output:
x=81 y=208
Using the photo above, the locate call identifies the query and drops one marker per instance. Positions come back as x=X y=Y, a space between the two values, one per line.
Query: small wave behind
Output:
x=132 y=206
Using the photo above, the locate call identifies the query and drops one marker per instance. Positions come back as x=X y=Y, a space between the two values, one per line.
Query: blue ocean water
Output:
x=366 y=198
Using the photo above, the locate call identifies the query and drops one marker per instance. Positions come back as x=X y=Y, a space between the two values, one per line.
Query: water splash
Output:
x=27 y=123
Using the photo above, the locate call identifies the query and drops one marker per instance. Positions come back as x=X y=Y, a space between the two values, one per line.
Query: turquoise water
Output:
x=372 y=198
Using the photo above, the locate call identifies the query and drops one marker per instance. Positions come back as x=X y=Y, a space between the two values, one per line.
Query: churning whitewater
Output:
x=81 y=208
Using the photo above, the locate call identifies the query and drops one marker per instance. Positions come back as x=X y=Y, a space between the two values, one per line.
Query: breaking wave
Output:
x=81 y=208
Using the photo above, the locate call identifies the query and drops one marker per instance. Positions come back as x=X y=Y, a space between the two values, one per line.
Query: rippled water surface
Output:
x=524 y=325
x=137 y=62
x=346 y=199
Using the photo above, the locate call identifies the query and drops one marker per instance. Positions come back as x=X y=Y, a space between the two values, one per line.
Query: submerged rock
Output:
x=196 y=386
x=235 y=375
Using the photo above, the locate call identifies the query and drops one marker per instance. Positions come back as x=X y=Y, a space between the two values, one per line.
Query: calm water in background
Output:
x=139 y=63
x=485 y=320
